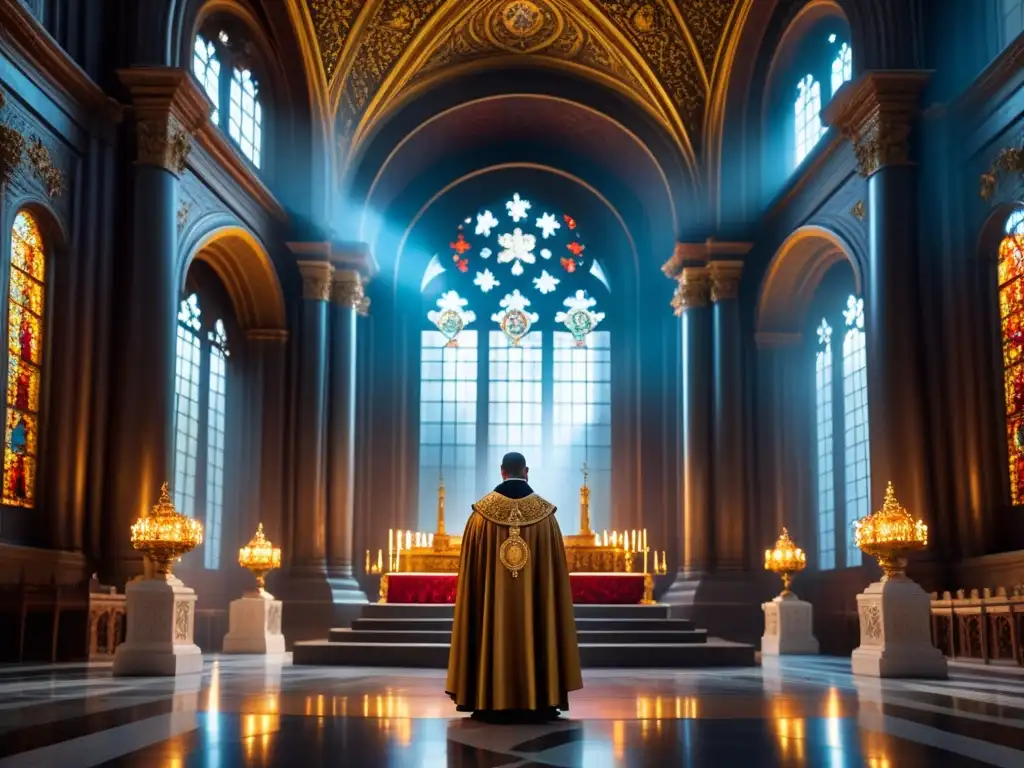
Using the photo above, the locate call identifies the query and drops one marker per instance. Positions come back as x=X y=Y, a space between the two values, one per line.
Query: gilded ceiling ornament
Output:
x=707 y=21
x=1010 y=161
x=521 y=18
x=859 y=211
x=44 y=169
x=643 y=18
x=694 y=290
x=163 y=142
x=332 y=22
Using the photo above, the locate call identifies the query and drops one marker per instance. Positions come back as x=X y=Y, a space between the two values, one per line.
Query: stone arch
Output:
x=793 y=276
x=247 y=271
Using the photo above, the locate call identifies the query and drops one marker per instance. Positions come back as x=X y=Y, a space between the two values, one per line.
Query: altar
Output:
x=440 y=588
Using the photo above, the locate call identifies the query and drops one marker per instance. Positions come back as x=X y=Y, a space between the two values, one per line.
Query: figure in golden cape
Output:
x=514 y=648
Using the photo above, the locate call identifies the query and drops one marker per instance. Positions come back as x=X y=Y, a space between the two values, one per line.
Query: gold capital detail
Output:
x=725 y=279
x=316 y=280
x=348 y=289
x=164 y=143
x=694 y=290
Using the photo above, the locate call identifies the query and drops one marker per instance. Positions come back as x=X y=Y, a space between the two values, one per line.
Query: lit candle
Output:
x=367 y=569
x=655 y=561
x=597 y=540
x=645 y=539
x=398 y=553
x=604 y=534
x=633 y=544
x=663 y=561
x=430 y=540
x=380 y=561
x=408 y=539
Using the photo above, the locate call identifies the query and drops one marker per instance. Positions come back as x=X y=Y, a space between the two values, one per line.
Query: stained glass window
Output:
x=201 y=391
x=842 y=67
x=1011 y=310
x=206 y=67
x=519 y=293
x=808 y=116
x=826 y=490
x=857 y=474
x=24 y=360
x=245 y=121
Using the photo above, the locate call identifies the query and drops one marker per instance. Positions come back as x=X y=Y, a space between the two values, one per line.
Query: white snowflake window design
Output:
x=545 y=253
x=514 y=300
x=451 y=300
x=485 y=222
x=485 y=280
x=548 y=225
x=580 y=301
x=517 y=208
x=545 y=283
x=517 y=247
x=485 y=253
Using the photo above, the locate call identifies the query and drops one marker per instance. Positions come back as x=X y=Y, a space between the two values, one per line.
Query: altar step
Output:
x=635 y=636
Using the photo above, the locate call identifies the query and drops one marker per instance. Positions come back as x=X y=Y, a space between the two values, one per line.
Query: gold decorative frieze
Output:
x=694 y=290
x=44 y=169
x=1009 y=160
x=316 y=280
x=858 y=211
x=725 y=279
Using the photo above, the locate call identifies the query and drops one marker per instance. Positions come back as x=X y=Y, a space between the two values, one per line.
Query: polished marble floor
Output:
x=245 y=711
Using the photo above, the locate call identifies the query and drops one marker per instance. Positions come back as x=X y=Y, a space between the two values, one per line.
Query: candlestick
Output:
x=645 y=560
x=391 y=548
x=597 y=540
x=408 y=539
x=633 y=544
x=380 y=561
x=398 y=554
x=664 y=563
x=604 y=535
x=430 y=540
x=367 y=569
x=645 y=538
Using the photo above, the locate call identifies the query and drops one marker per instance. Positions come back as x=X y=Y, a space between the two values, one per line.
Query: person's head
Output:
x=513 y=466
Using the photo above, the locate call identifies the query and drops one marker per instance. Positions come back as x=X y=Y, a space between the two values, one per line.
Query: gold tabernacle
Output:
x=888 y=534
x=165 y=534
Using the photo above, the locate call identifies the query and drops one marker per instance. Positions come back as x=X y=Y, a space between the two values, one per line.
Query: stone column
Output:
x=168 y=108
x=729 y=425
x=877 y=114
x=346 y=299
x=310 y=524
x=692 y=305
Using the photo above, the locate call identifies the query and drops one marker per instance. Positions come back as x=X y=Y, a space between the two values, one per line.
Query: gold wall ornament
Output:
x=259 y=557
x=44 y=169
x=785 y=559
x=164 y=143
x=888 y=534
x=694 y=290
x=12 y=144
x=165 y=534
x=725 y=279
x=1009 y=161
x=859 y=211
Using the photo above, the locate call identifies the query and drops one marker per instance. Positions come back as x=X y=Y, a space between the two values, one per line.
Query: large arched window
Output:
x=520 y=294
x=199 y=429
x=222 y=62
x=1011 y=310
x=25 y=301
x=842 y=455
x=825 y=58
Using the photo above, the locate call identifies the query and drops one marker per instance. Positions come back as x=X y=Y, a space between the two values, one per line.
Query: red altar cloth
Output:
x=587 y=588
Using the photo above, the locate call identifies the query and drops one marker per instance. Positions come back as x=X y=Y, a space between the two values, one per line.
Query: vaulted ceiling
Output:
x=669 y=57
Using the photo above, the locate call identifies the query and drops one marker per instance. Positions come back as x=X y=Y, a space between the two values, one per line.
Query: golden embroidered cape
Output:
x=514 y=641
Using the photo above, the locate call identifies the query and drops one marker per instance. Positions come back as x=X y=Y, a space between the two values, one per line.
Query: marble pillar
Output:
x=347 y=297
x=877 y=114
x=168 y=108
x=309 y=527
x=730 y=477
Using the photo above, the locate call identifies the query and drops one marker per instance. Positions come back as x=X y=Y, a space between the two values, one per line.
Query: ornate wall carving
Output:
x=332 y=21
x=707 y=20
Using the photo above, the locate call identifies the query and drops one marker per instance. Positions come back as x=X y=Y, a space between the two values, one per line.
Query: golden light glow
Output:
x=889 y=533
x=165 y=534
x=786 y=559
x=259 y=557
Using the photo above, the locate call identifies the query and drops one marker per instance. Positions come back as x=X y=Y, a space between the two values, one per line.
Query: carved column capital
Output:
x=876 y=113
x=347 y=290
x=725 y=279
x=316 y=280
x=694 y=290
x=169 y=108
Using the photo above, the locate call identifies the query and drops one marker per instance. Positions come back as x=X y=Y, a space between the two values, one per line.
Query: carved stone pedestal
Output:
x=254 y=625
x=895 y=632
x=788 y=627
x=161 y=625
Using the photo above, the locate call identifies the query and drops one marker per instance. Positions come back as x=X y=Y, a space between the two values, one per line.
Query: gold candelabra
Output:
x=786 y=559
x=888 y=534
x=259 y=557
x=374 y=567
x=165 y=534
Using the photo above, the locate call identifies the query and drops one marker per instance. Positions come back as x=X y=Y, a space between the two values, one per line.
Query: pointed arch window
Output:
x=1011 y=311
x=842 y=472
x=808 y=116
x=520 y=292
x=25 y=302
x=222 y=63
x=201 y=390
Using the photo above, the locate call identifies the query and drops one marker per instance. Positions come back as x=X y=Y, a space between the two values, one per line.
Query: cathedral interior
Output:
x=717 y=268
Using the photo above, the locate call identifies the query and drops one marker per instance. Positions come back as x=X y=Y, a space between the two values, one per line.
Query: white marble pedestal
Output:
x=788 y=627
x=254 y=625
x=161 y=616
x=895 y=632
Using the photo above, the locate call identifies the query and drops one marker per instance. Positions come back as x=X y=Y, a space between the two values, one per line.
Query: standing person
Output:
x=514 y=652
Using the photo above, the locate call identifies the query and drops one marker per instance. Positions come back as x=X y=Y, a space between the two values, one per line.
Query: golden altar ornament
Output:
x=259 y=557
x=888 y=534
x=786 y=559
x=165 y=534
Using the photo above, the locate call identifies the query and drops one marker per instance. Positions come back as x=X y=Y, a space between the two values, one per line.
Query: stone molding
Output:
x=876 y=114
x=693 y=291
x=316 y=279
x=725 y=279
x=169 y=109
